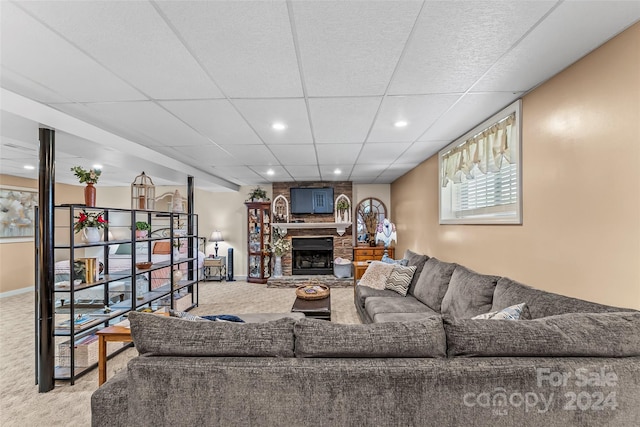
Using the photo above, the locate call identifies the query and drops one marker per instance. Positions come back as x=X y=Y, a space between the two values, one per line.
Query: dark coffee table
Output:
x=315 y=309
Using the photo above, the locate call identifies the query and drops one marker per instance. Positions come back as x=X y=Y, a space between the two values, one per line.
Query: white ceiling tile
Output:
x=252 y=154
x=455 y=43
x=246 y=46
x=42 y=56
x=237 y=172
x=369 y=169
x=381 y=153
x=570 y=32
x=295 y=154
x=334 y=154
x=31 y=89
x=419 y=111
x=217 y=119
x=303 y=173
x=327 y=172
x=278 y=174
x=342 y=119
x=351 y=48
x=420 y=151
x=140 y=47
x=262 y=113
x=466 y=114
x=210 y=155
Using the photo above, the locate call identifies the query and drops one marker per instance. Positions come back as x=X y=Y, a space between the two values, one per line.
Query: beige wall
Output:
x=581 y=184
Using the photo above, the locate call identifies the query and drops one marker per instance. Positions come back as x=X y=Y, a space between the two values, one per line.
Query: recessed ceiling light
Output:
x=337 y=171
x=97 y=167
x=400 y=124
x=279 y=126
x=270 y=172
x=29 y=167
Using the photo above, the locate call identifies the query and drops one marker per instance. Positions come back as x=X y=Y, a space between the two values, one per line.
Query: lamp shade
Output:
x=216 y=236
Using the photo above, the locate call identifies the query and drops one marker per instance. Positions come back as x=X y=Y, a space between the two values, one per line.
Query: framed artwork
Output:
x=17 y=214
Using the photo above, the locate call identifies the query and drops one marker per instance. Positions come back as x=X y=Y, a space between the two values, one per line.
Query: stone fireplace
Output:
x=312 y=255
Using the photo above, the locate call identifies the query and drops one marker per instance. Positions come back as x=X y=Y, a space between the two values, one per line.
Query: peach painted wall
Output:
x=17 y=259
x=581 y=188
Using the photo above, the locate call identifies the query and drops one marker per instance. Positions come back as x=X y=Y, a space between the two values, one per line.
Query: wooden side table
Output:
x=215 y=267
x=109 y=334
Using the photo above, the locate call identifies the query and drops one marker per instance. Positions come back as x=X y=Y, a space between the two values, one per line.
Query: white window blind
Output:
x=480 y=173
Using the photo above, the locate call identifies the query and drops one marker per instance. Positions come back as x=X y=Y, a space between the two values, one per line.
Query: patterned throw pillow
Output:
x=510 y=313
x=187 y=316
x=376 y=275
x=400 y=279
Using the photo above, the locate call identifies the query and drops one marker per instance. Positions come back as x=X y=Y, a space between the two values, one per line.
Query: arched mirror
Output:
x=369 y=211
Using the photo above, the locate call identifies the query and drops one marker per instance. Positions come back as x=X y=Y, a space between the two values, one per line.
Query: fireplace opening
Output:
x=312 y=255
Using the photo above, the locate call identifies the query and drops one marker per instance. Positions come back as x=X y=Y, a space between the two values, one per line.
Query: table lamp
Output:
x=216 y=236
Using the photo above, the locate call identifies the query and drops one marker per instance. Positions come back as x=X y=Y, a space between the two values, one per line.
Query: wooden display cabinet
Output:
x=258 y=241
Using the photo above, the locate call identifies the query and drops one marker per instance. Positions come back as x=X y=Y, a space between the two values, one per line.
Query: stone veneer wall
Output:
x=342 y=245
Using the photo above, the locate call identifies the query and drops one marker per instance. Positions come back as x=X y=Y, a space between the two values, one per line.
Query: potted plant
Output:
x=142 y=229
x=90 y=223
x=258 y=195
x=342 y=205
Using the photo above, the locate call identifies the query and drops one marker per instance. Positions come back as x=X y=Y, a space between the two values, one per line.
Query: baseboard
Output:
x=16 y=292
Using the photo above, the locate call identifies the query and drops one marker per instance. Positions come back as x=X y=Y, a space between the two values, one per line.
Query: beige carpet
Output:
x=66 y=405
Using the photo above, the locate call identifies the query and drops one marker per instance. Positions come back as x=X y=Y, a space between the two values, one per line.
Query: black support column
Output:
x=46 y=200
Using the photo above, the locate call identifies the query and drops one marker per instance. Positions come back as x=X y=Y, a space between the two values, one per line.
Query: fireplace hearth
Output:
x=312 y=255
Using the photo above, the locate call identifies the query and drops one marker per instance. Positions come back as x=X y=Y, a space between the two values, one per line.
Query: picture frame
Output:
x=17 y=214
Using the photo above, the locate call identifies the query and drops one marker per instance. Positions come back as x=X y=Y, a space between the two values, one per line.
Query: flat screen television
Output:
x=311 y=200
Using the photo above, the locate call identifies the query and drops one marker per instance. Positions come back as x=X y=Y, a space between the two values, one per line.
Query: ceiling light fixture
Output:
x=400 y=124
x=271 y=172
x=29 y=167
x=96 y=166
x=337 y=171
x=279 y=126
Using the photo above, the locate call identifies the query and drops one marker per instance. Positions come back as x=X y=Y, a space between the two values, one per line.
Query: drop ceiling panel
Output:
x=466 y=114
x=140 y=47
x=217 y=119
x=262 y=113
x=419 y=111
x=421 y=150
x=351 y=48
x=380 y=153
x=334 y=154
x=573 y=30
x=303 y=173
x=242 y=173
x=210 y=155
x=26 y=87
x=40 y=55
x=295 y=154
x=251 y=154
x=456 y=43
x=369 y=169
x=278 y=173
x=246 y=46
x=342 y=119
x=327 y=172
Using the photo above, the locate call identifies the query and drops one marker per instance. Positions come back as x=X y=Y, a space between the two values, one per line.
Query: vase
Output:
x=91 y=234
x=176 y=253
x=177 y=276
x=90 y=195
x=277 y=267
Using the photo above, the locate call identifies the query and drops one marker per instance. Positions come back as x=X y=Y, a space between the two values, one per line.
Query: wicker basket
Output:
x=311 y=292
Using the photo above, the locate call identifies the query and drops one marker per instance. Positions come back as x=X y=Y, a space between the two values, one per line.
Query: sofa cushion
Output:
x=469 y=293
x=376 y=275
x=364 y=292
x=572 y=335
x=541 y=303
x=515 y=312
x=404 y=317
x=171 y=336
x=400 y=279
x=317 y=338
x=408 y=304
x=417 y=261
x=433 y=282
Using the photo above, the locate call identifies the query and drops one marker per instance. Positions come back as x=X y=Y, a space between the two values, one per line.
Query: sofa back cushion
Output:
x=319 y=338
x=171 y=336
x=541 y=303
x=469 y=293
x=433 y=282
x=417 y=261
x=571 y=335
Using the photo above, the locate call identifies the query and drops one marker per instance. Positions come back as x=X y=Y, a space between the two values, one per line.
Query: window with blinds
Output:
x=481 y=173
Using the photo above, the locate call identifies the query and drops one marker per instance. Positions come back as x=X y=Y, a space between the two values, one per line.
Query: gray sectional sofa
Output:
x=574 y=363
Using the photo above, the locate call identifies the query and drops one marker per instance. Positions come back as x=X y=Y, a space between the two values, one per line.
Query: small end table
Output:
x=215 y=268
x=315 y=309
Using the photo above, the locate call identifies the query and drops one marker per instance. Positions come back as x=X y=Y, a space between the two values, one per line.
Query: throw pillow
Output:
x=400 y=279
x=418 y=261
x=124 y=249
x=186 y=316
x=319 y=338
x=510 y=313
x=469 y=293
x=433 y=282
x=376 y=275
x=389 y=260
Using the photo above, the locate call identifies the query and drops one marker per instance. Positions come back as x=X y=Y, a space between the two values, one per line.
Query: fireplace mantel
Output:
x=341 y=227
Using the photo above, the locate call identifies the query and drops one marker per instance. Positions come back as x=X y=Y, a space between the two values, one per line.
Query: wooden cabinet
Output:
x=368 y=253
x=258 y=241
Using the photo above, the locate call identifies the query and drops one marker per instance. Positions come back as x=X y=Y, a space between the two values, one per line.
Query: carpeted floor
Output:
x=66 y=405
